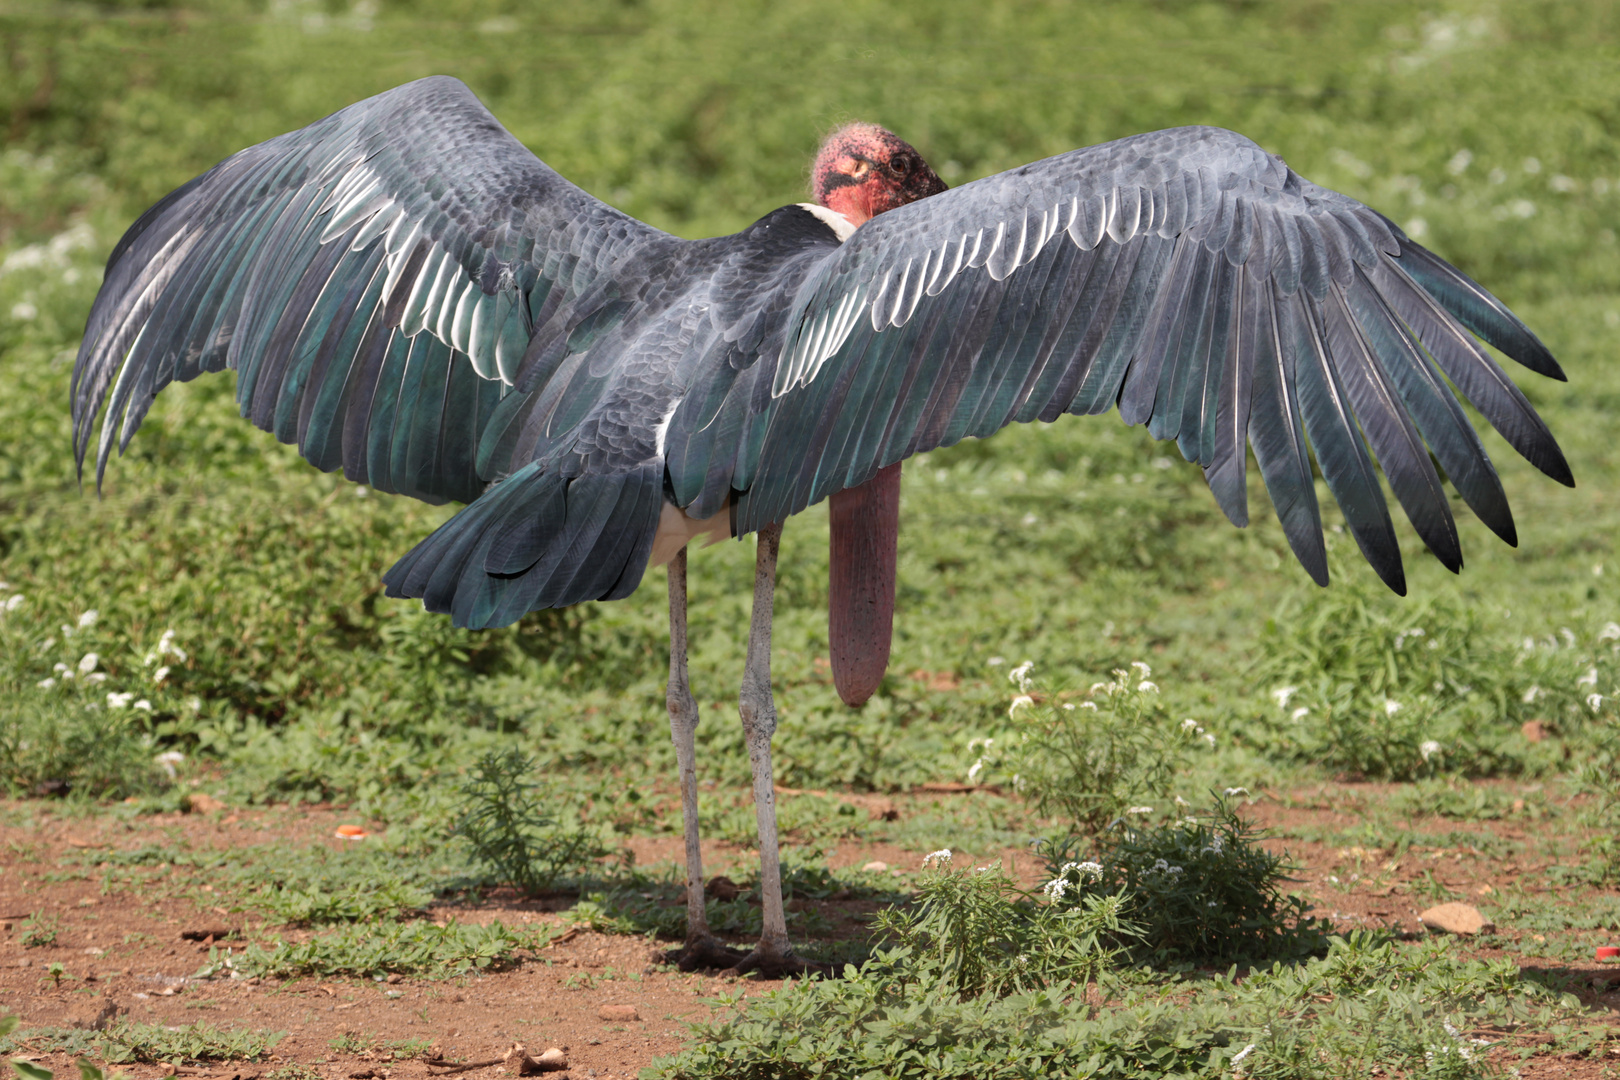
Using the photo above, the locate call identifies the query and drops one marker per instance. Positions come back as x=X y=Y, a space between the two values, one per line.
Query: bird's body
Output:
x=410 y=295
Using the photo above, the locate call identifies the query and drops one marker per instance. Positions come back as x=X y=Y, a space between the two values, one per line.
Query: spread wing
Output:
x=378 y=280
x=408 y=293
x=1197 y=282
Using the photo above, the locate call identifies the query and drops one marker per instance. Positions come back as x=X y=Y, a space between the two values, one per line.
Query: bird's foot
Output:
x=772 y=964
x=704 y=953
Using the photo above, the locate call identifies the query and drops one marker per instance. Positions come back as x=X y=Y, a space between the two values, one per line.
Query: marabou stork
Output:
x=411 y=295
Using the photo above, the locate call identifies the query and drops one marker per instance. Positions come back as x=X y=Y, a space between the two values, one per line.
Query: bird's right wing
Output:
x=381 y=281
x=1197 y=282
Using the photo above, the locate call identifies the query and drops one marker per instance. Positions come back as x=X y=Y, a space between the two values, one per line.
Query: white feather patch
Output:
x=841 y=226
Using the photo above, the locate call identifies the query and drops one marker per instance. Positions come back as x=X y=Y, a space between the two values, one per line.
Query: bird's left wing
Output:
x=382 y=281
x=1194 y=280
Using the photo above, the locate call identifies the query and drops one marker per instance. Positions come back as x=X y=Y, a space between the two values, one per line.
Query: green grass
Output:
x=128 y=1041
x=416 y=948
x=1485 y=129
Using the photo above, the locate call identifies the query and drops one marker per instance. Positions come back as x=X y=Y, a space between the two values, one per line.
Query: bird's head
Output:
x=863 y=170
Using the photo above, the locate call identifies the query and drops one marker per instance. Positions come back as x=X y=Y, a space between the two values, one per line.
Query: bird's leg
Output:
x=701 y=949
x=773 y=956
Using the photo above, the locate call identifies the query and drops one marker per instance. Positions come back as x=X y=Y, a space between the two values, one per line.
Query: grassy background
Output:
x=1486 y=129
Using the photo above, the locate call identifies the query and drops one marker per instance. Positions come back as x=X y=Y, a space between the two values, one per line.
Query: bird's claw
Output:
x=705 y=953
x=774 y=965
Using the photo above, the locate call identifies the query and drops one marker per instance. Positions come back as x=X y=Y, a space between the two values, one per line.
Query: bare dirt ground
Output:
x=124 y=951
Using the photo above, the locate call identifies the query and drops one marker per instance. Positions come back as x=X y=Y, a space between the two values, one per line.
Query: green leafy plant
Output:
x=1202 y=889
x=129 y=1041
x=510 y=830
x=39 y=930
x=1089 y=761
x=417 y=948
x=1364 y=683
x=985 y=935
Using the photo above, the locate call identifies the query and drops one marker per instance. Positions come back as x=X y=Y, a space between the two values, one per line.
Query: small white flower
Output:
x=168 y=760
x=1145 y=671
x=1020 y=673
x=1610 y=632
x=1593 y=701
x=13 y=602
x=160 y=674
x=996 y=661
x=1019 y=702
x=1145 y=687
x=116 y=700
x=46 y=684
x=1139 y=810
x=1243 y=1053
x=1428 y=748
x=1282 y=694
x=195 y=704
x=143 y=705
x=96 y=676
x=1190 y=724
x=973 y=773
x=943 y=855
x=1105 y=687
x=1569 y=635
x=88 y=619
x=1391 y=707
x=60 y=668
x=1055 y=889
x=1068 y=706
x=1531 y=694
x=1231 y=791
x=1300 y=713
x=1210 y=739
x=1092 y=705
x=88 y=662
x=1589 y=679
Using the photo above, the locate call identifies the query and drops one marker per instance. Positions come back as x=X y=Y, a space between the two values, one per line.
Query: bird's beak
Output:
x=920 y=185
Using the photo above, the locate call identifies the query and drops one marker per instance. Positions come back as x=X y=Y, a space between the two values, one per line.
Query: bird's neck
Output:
x=854 y=201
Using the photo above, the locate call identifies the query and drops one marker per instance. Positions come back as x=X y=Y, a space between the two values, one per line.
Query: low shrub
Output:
x=986 y=936
x=1089 y=761
x=1201 y=889
x=511 y=831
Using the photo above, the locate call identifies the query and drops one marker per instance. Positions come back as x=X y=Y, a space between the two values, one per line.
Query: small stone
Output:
x=1518 y=806
x=202 y=803
x=620 y=1014
x=1533 y=730
x=1484 y=890
x=1456 y=918
x=553 y=1060
x=394 y=979
x=876 y=866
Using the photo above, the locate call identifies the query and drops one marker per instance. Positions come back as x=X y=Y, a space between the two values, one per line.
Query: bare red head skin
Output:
x=863 y=170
